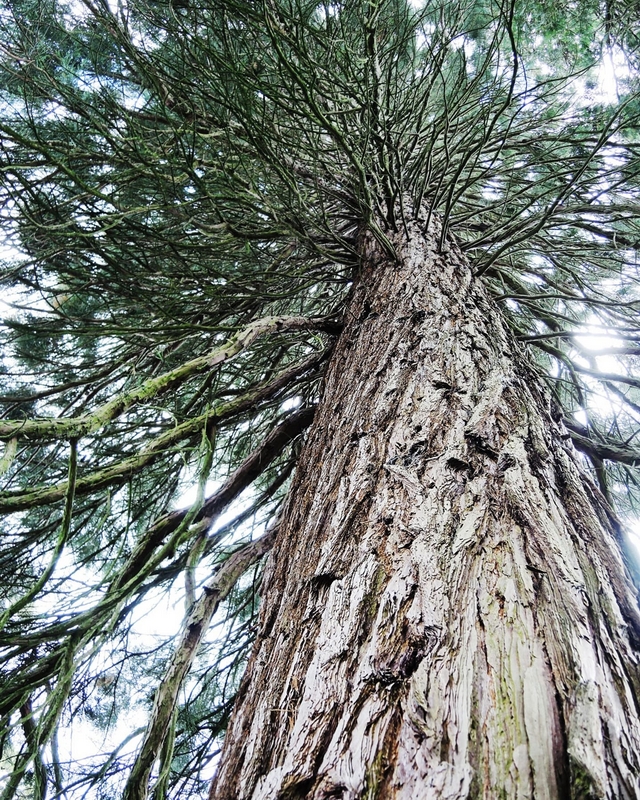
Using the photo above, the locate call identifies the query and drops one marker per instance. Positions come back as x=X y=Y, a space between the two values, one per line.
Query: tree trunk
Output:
x=446 y=612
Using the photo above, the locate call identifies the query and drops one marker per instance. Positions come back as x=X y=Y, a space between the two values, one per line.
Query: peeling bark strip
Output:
x=446 y=613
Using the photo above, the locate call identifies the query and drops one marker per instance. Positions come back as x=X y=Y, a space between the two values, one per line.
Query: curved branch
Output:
x=253 y=465
x=119 y=473
x=81 y=426
x=194 y=629
x=63 y=535
x=607 y=450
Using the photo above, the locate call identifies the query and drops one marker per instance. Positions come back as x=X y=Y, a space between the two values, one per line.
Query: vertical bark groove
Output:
x=446 y=612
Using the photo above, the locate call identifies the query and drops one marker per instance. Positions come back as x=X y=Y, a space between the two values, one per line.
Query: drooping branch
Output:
x=195 y=627
x=63 y=535
x=81 y=426
x=155 y=545
x=605 y=448
x=143 y=559
x=120 y=472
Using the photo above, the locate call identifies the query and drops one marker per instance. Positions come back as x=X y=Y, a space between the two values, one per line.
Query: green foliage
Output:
x=173 y=171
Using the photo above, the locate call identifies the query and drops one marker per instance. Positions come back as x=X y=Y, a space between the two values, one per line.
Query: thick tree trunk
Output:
x=446 y=612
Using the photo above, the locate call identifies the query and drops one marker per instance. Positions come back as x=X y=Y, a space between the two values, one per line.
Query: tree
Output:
x=397 y=228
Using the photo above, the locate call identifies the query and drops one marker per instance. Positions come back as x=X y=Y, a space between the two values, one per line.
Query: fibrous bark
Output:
x=446 y=611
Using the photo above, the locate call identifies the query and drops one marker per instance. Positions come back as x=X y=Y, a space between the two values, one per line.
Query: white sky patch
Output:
x=291 y=403
x=599 y=342
x=581 y=416
x=613 y=68
x=7 y=303
x=84 y=744
x=158 y=616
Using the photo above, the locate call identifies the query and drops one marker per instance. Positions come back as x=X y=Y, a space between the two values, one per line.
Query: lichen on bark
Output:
x=446 y=612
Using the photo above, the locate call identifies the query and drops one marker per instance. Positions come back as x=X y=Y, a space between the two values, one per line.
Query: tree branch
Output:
x=81 y=426
x=193 y=631
x=120 y=472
